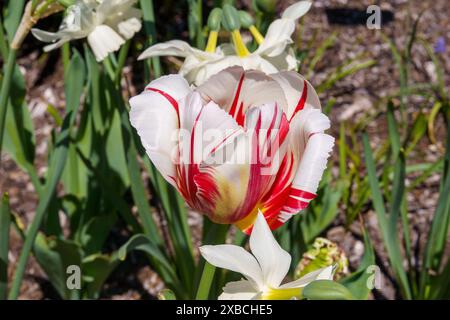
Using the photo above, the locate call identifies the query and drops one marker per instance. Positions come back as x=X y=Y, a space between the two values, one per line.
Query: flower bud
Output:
x=215 y=19
x=230 y=19
x=246 y=19
x=324 y=253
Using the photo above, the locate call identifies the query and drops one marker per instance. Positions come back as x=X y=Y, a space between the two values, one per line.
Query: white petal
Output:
x=313 y=162
x=129 y=27
x=175 y=48
x=104 y=40
x=297 y=10
x=278 y=36
x=45 y=36
x=239 y=290
x=286 y=61
x=325 y=273
x=236 y=259
x=156 y=121
x=294 y=86
x=274 y=261
x=233 y=86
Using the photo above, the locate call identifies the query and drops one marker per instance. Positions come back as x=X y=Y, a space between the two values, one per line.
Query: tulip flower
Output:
x=274 y=53
x=106 y=24
x=264 y=269
x=242 y=142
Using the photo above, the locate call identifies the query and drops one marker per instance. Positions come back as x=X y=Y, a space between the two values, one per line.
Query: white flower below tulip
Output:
x=274 y=54
x=264 y=269
x=106 y=24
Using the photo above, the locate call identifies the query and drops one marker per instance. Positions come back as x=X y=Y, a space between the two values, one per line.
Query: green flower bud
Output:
x=246 y=19
x=230 y=18
x=323 y=253
x=266 y=6
x=215 y=19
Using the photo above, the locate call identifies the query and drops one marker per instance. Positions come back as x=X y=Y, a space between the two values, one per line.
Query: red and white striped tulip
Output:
x=242 y=142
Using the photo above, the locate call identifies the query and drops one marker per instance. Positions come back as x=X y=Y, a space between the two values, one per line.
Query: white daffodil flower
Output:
x=274 y=53
x=106 y=24
x=264 y=269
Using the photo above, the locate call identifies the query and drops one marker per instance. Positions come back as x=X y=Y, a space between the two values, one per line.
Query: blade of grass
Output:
x=437 y=236
x=5 y=221
x=389 y=238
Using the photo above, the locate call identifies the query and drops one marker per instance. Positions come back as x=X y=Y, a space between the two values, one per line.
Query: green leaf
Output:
x=390 y=238
x=326 y=290
x=166 y=294
x=13 y=16
x=356 y=283
x=55 y=256
x=5 y=221
x=95 y=231
x=143 y=243
x=96 y=269
x=438 y=233
x=74 y=83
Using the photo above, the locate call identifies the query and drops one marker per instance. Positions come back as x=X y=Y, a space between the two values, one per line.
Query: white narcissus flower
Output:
x=106 y=24
x=241 y=142
x=274 y=54
x=264 y=269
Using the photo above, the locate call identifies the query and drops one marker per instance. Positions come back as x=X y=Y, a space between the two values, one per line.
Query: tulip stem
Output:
x=205 y=281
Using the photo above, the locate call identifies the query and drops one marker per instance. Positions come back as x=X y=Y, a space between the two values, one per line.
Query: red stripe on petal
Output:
x=236 y=97
x=169 y=98
x=301 y=103
x=302 y=194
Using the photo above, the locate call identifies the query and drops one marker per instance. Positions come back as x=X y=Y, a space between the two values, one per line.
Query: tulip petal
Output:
x=236 y=259
x=325 y=273
x=300 y=94
x=154 y=114
x=274 y=261
x=310 y=150
x=250 y=88
x=239 y=290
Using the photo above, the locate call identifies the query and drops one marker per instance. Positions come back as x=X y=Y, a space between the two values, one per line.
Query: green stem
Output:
x=205 y=282
x=121 y=62
x=3 y=42
x=4 y=93
x=149 y=27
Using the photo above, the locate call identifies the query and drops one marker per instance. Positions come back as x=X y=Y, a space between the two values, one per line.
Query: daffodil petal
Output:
x=297 y=10
x=175 y=48
x=239 y=290
x=325 y=273
x=104 y=40
x=274 y=261
x=236 y=259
